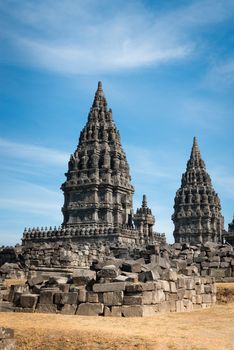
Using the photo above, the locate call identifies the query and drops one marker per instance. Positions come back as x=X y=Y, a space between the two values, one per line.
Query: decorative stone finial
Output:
x=144 y=201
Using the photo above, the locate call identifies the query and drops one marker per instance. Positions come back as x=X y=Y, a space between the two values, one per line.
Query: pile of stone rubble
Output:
x=117 y=288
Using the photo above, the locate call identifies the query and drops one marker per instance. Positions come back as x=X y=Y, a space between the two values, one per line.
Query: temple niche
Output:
x=197 y=211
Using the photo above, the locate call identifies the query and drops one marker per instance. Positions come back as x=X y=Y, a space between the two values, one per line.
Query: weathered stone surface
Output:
x=20 y=288
x=109 y=287
x=132 y=265
x=113 y=298
x=35 y=281
x=92 y=297
x=133 y=300
x=83 y=276
x=29 y=300
x=110 y=271
x=89 y=309
x=65 y=298
x=46 y=308
x=69 y=309
x=47 y=296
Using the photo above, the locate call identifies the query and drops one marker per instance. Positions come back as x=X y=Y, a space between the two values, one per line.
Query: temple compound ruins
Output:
x=107 y=260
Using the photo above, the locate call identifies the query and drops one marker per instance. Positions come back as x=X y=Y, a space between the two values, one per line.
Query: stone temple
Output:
x=197 y=216
x=98 y=203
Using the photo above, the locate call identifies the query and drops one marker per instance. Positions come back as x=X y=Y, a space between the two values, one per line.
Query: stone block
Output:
x=47 y=296
x=46 y=308
x=90 y=309
x=134 y=288
x=165 y=285
x=113 y=298
x=109 y=271
x=64 y=287
x=189 y=283
x=198 y=299
x=173 y=288
x=65 y=298
x=190 y=271
x=130 y=277
x=179 y=306
x=151 y=275
x=82 y=296
x=181 y=282
x=189 y=294
x=116 y=311
x=188 y=305
x=83 y=276
x=158 y=296
x=200 y=288
x=35 y=280
x=132 y=266
x=172 y=297
x=208 y=288
x=180 y=293
x=217 y=273
x=133 y=300
x=121 y=278
x=165 y=306
x=69 y=309
x=170 y=275
x=92 y=297
x=109 y=287
x=206 y=298
x=139 y=310
x=147 y=297
x=17 y=288
x=132 y=311
x=29 y=300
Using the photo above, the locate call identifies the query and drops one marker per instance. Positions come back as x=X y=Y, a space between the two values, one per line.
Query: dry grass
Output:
x=225 y=285
x=199 y=330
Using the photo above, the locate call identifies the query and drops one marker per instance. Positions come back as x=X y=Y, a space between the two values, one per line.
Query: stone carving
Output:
x=195 y=202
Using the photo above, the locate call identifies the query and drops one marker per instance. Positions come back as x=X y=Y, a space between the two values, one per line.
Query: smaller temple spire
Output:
x=144 y=201
x=195 y=153
x=99 y=99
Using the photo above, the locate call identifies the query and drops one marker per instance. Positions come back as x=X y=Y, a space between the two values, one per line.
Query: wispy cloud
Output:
x=221 y=75
x=31 y=152
x=27 y=197
x=201 y=112
x=72 y=37
x=224 y=181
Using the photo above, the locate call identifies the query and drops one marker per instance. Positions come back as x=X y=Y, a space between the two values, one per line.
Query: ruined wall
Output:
x=110 y=292
x=210 y=259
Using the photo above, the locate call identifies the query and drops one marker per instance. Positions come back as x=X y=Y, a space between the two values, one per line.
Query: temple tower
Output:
x=197 y=216
x=98 y=190
x=144 y=220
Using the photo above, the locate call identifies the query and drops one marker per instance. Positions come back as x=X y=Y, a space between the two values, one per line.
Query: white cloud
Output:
x=33 y=153
x=92 y=37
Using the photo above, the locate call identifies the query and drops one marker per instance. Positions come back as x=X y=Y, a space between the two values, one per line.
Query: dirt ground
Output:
x=204 y=329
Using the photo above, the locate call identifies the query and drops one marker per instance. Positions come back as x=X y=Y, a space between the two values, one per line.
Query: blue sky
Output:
x=167 y=69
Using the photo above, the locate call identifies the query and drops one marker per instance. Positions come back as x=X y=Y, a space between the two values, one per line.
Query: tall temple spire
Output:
x=197 y=216
x=98 y=189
